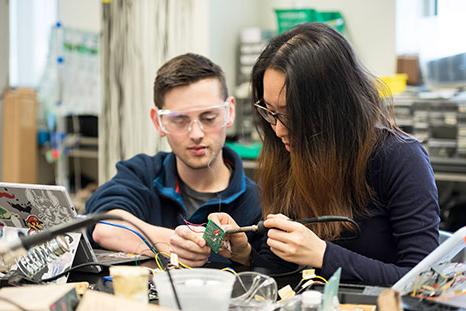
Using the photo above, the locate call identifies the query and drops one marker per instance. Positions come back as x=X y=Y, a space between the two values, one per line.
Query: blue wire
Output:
x=133 y=231
x=107 y=278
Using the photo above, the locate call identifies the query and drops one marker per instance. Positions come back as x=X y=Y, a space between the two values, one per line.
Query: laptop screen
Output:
x=38 y=207
x=34 y=206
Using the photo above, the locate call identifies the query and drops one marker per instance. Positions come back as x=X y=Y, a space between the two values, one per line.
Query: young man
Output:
x=166 y=192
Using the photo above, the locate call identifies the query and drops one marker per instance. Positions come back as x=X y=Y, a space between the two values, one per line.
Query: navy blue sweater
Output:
x=402 y=225
x=147 y=187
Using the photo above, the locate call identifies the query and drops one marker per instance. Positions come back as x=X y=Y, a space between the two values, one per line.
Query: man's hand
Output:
x=188 y=244
x=240 y=249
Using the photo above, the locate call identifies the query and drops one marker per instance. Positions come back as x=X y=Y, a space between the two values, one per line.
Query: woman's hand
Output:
x=240 y=249
x=188 y=244
x=294 y=242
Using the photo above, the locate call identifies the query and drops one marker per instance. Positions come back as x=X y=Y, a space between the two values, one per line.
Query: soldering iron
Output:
x=260 y=228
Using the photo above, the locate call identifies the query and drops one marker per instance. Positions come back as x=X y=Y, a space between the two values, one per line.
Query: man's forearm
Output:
x=120 y=239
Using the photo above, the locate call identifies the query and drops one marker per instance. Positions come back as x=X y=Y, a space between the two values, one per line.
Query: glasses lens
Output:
x=266 y=114
x=210 y=119
x=213 y=119
x=175 y=122
x=283 y=119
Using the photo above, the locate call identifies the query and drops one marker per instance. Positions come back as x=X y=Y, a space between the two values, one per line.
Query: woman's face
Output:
x=275 y=101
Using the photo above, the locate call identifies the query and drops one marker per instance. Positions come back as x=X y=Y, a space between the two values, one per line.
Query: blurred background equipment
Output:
x=92 y=65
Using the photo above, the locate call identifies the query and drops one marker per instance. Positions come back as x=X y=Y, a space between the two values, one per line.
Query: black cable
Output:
x=260 y=228
x=177 y=299
x=321 y=219
x=79 y=223
x=279 y=275
x=163 y=259
x=59 y=275
x=13 y=303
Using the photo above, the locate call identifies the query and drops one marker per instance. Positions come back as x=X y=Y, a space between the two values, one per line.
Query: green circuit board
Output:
x=214 y=235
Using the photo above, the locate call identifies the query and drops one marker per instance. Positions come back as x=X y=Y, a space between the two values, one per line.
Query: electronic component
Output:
x=286 y=292
x=214 y=236
x=308 y=274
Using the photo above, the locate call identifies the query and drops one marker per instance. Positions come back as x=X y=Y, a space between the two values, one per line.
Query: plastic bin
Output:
x=396 y=83
x=198 y=289
x=246 y=151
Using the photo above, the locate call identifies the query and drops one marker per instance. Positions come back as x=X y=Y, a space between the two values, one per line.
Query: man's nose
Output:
x=195 y=129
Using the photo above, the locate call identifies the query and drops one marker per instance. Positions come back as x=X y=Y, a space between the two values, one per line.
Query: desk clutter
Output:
x=197 y=289
x=438 y=279
x=439 y=287
x=65 y=297
x=432 y=285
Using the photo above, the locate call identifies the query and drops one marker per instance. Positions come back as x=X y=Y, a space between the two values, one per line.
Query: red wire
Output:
x=189 y=224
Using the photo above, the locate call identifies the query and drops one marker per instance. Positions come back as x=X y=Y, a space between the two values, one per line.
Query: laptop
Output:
x=37 y=207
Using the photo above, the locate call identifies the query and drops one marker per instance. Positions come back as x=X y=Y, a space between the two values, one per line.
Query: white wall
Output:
x=370 y=23
x=226 y=19
x=201 y=27
x=30 y=25
x=83 y=14
x=4 y=47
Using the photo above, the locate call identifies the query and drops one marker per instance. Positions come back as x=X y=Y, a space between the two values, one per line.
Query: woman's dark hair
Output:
x=183 y=70
x=334 y=118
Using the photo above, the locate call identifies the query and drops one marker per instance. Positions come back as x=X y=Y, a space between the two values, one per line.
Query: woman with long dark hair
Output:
x=332 y=148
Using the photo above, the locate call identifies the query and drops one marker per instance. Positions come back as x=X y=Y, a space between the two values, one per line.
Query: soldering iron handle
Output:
x=261 y=228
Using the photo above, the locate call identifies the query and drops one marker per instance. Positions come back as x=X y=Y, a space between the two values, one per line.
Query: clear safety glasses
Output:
x=209 y=119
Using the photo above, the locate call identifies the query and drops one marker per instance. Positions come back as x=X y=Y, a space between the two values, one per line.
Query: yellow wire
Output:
x=230 y=270
x=157 y=262
x=185 y=266
x=159 y=265
x=167 y=255
x=320 y=278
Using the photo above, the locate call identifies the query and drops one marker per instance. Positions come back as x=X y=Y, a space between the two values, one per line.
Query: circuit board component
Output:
x=214 y=235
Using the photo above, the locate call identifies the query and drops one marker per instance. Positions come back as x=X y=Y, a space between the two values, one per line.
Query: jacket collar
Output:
x=167 y=182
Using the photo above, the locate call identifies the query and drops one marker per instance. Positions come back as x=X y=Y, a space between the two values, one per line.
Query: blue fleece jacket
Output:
x=147 y=187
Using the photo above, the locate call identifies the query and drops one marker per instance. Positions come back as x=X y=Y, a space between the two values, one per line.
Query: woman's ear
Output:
x=231 y=111
x=155 y=121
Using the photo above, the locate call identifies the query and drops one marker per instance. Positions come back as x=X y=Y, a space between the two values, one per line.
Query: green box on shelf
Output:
x=246 y=151
x=332 y=18
x=289 y=18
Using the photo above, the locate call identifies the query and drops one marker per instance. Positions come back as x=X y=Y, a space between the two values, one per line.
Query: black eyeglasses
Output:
x=271 y=116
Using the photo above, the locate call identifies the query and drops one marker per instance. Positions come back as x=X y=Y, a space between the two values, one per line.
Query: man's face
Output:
x=195 y=118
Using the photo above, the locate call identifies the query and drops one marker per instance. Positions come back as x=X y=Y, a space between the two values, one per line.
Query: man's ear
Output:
x=155 y=121
x=232 y=111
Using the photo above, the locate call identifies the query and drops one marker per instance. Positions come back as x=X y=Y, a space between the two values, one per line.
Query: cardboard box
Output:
x=409 y=64
x=39 y=298
x=20 y=152
x=98 y=301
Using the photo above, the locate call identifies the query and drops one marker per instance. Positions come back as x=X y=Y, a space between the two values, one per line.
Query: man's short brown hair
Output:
x=183 y=70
